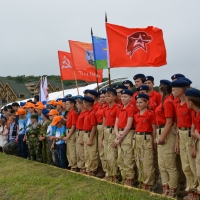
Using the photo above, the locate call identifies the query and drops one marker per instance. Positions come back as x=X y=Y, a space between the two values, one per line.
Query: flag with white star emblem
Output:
x=135 y=47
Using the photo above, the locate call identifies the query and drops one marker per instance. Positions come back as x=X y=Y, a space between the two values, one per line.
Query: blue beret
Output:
x=111 y=90
x=45 y=112
x=64 y=99
x=148 y=78
x=22 y=104
x=71 y=100
x=68 y=95
x=144 y=96
x=85 y=91
x=142 y=76
x=192 y=92
x=128 y=82
x=102 y=92
x=143 y=87
x=120 y=87
x=93 y=92
x=175 y=76
x=79 y=97
x=88 y=99
x=185 y=79
x=59 y=99
x=114 y=86
x=179 y=83
x=50 y=106
x=126 y=91
x=165 y=82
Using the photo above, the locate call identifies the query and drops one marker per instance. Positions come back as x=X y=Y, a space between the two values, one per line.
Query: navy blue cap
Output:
x=88 y=99
x=128 y=82
x=126 y=91
x=49 y=106
x=143 y=87
x=144 y=96
x=64 y=99
x=120 y=87
x=165 y=82
x=102 y=92
x=148 y=78
x=45 y=112
x=114 y=86
x=179 y=83
x=22 y=104
x=175 y=76
x=192 y=92
x=71 y=100
x=111 y=90
x=142 y=76
x=59 y=99
x=85 y=91
x=93 y=92
x=68 y=95
x=79 y=97
x=185 y=79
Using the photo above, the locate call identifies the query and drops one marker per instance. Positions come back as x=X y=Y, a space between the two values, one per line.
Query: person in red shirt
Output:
x=138 y=79
x=70 y=133
x=153 y=95
x=145 y=132
x=99 y=116
x=184 y=139
x=79 y=136
x=94 y=94
x=90 y=136
x=166 y=136
x=110 y=152
x=124 y=130
x=193 y=102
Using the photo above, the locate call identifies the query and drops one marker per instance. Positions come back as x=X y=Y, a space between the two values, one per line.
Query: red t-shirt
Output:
x=184 y=115
x=152 y=105
x=80 y=120
x=96 y=106
x=89 y=120
x=156 y=97
x=134 y=95
x=71 y=118
x=123 y=115
x=164 y=111
x=143 y=123
x=110 y=114
x=196 y=121
x=99 y=113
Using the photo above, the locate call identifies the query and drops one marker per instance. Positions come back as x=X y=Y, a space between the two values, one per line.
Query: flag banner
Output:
x=43 y=91
x=83 y=60
x=135 y=47
x=67 y=69
x=100 y=52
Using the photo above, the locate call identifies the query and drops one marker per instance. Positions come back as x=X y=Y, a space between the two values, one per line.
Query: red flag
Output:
x=83 y=58
x=67 y=69
x=135 y=47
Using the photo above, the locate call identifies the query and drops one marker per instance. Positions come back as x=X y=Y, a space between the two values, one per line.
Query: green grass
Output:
x=23 y=179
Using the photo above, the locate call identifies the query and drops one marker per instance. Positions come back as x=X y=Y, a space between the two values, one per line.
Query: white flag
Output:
x=42 y=95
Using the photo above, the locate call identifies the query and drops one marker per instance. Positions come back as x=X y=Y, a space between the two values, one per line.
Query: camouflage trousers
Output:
x=46 y=153
x=34 y=147
x=52 y=153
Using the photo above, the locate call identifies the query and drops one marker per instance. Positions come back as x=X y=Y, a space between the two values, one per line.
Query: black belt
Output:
x=184 y=128
x=109 y=126
x=87 y=131
x=78 y=129
x=121 y=129
x=161 y=126
x=99 y=123
x=143 y=133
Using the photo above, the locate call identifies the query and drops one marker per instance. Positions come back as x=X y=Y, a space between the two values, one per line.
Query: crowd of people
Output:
x=116 y=133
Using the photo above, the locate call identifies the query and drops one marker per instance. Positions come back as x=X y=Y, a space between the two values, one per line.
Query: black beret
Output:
x=88 y=99
x=143 y=87
x=142 y=76
x=192 y=92
x=120 y=87
x=148 y=78
x=102 y=92
x=93 y=92
x=144 y=96
x=165 y=82
x=175 y=76
x=126 y=91
x=59 y=99
x=185 y=79
x=128 y=82
x=179 y=83
x=111 y=90
x=85 y=91
x=68 y=95
x=71 y=100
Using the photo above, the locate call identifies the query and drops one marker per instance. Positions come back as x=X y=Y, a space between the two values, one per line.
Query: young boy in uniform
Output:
x=118 y=89
x=90 y=137
x=110 y=152
x=128 y=84
x=124 y=130
x=138 y=79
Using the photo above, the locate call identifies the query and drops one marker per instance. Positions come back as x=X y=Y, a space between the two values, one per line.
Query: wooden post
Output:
x=62 y=88
x=76 y=81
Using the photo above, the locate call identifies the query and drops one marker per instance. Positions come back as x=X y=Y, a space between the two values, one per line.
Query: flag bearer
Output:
x=90 y=137
x=124 y=130
x=166 y=135
x=145 y=132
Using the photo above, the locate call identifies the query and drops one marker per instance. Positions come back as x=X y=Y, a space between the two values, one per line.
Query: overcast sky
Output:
x=32 y=31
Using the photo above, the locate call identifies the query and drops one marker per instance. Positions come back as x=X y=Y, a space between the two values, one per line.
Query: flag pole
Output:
x=62 y=87
x=95 y=61
x=109 y=78
x=76 y=81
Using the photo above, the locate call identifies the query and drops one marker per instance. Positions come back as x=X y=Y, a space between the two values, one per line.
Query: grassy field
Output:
x=23 y=179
